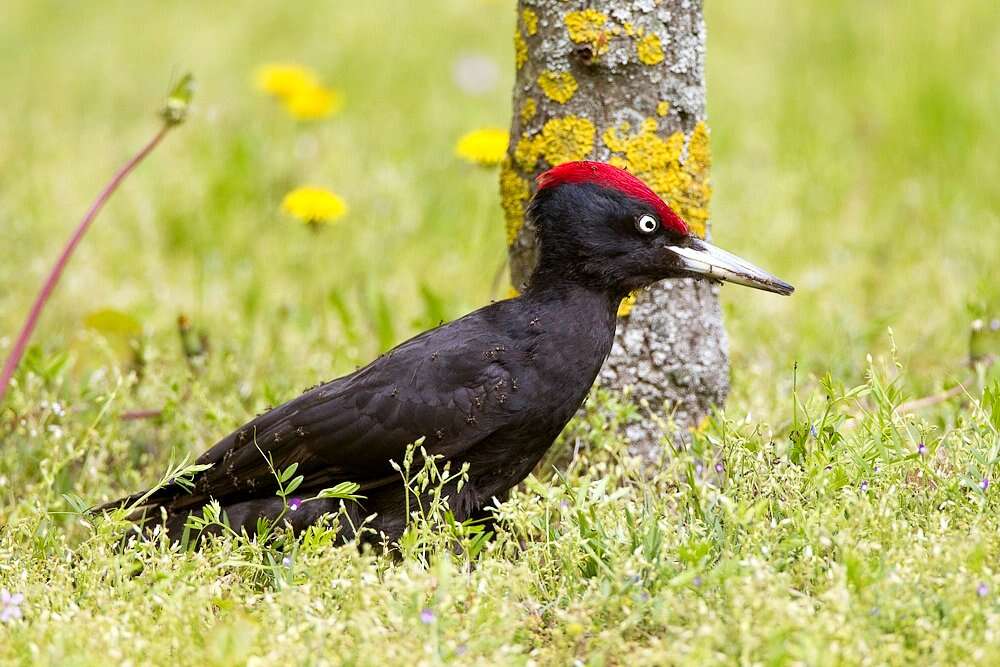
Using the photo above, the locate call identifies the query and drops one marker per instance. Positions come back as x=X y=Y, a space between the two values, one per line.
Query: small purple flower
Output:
x=985 y=484
x=10 y=606
x=982 y=590
x=697 y=582
x=864 y=486
x=719 y=468
x=427 y=616
x=921 y=449
x=698 y=468
x=812 y=431
x=287 y=561
x=294 y=503
x=876 y=469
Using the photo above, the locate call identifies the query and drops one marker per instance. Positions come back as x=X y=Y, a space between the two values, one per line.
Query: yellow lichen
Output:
x=528 y=109
x=587 y=27
x=558 y=86
x=564 y=139
x=679 y=176
x=625 y=307
x=526 y=152
x=663 y=108
x=530 y=20
x=512 y=292
x=584 y=26
x=520 y=50
x=698 y=164
x=514 y=194
x=649 y=49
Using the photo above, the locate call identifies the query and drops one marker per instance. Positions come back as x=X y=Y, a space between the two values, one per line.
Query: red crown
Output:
x=604 y=174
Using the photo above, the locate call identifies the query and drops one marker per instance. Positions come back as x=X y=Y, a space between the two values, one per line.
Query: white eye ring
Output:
x=646 y=224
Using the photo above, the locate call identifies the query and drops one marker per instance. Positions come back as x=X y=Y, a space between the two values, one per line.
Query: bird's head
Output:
x=601 y=226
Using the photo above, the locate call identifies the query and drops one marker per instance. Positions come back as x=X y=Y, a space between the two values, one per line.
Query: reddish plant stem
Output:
x=21 y=344
x=136 y=415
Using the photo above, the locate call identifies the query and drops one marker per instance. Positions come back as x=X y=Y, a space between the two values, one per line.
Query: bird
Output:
x=490 y=391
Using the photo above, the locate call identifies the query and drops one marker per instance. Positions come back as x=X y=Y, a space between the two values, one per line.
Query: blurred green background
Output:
x=855 y=154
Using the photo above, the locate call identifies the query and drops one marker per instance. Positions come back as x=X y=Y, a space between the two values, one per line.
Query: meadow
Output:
x=811 y=521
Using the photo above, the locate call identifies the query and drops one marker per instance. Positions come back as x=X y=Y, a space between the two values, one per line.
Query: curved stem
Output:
x=21 y=344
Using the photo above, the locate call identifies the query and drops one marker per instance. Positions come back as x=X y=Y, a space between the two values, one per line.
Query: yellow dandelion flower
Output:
x=313 y=103
x=486 y=146
x=314 y=205
x=113 y=323
x=299 y=89
x=285 y=80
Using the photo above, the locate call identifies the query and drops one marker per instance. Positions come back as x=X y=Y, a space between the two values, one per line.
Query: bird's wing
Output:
x=445 y=385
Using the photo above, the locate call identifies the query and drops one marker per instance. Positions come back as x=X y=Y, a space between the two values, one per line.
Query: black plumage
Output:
x=492 y=389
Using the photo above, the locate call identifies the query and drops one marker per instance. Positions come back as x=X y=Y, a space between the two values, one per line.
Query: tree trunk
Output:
x=622 y=81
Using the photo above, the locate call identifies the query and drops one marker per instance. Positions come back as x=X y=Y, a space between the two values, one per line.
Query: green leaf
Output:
x=344 y=490
x=475 y=546
x=263 y=528
x=294 y=484
x=78 y=504
x=382 y=321
x=343 y=312
x=435 y=311
x=287 y=473
x=991 y=403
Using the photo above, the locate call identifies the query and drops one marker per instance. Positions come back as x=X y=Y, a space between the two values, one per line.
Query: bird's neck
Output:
x=578 y=306
x=562 y=280
x=569 y=331
x=564 y=270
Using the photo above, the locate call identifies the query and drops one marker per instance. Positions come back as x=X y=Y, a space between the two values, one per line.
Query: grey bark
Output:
x=637 y=69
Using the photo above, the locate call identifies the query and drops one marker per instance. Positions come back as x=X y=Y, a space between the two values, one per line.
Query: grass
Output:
x=854 y=155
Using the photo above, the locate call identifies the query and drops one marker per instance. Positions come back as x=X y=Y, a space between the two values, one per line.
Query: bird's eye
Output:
x=646 y=224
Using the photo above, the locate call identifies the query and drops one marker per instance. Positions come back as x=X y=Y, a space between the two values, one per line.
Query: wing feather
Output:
x=433 y=386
